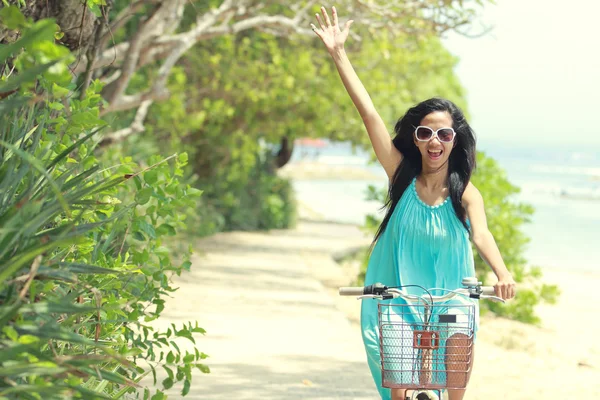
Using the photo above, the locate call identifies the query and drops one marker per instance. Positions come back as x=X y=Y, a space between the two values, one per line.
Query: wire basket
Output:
x=426 y=346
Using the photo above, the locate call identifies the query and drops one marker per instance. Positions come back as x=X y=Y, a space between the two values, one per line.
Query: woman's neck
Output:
x=434 y=178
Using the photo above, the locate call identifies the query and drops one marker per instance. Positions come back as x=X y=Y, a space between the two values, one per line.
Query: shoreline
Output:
x=311 y=170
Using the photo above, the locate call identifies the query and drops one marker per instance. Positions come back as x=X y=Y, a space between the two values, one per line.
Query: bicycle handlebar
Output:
x=379 y=290
x=488 y=291
x=352 y=291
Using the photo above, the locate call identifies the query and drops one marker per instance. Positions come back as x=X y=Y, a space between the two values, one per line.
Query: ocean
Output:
x=563 y=186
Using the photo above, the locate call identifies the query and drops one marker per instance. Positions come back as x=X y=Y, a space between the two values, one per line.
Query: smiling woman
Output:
x=422 y=241
x=435 y=136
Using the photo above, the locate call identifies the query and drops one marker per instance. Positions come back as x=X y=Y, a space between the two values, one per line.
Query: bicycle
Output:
x=414 y=348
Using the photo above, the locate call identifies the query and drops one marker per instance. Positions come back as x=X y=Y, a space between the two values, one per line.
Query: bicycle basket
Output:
x=426 y=346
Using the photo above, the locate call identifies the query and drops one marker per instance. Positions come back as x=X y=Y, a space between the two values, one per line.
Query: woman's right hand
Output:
x=331 y=34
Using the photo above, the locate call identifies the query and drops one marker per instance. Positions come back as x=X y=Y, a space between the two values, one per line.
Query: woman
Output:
x=433 y=208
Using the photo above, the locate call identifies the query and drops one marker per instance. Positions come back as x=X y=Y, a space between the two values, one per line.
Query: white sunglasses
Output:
x=425 y=134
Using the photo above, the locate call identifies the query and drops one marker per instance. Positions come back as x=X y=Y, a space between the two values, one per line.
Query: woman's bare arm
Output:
x=334 y=39
x=485 y=243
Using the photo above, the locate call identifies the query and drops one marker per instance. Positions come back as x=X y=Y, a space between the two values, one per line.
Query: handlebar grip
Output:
x=488 y=290
x=352 y=291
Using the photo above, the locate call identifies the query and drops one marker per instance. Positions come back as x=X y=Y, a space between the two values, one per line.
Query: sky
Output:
x=535 y=78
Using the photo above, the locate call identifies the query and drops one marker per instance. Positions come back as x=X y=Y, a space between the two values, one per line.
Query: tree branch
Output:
x=123 y=17
x=127 y=102
x=165 y=18
x=91 y=56
x=136 y=126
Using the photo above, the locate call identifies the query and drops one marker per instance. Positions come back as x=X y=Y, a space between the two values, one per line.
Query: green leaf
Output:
x=186 y=266
x=29 y=369
x=175 y=346
x=169 y=371
x=59 y=308
x=29 y=75
x=143 y=196
x=59 y=91
x=146 y=228
x=12 y=18
x=137 y=235
x=151 y=177
x=159 y=396
x=80 y=268
x=170 y=357
x=86 y=119
x=167 y=383
x=25 y=258
x=153 y=375
x=53 y=331
x=41 y=30
x=32 y=161
x=166 y=229
x=199 y=330
x=56 y=106
x=186 y=387
x=90 y=394
x=204 y=368
x=8 y=312
x=193 y=192
x=12 y=350
x=108 y=375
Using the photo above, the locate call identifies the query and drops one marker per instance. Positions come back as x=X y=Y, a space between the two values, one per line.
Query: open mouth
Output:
x=435 y=154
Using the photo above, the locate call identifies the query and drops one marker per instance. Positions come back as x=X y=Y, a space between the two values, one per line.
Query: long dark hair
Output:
x=460 y=163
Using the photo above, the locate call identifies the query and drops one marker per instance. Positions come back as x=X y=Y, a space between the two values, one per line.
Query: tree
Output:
x=258 y=89
x=115 y=39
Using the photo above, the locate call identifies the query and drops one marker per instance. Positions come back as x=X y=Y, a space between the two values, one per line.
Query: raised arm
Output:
x=334 y=38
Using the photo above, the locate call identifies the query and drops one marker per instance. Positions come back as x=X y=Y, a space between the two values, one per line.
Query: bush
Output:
x=505 y=218
x=82 y=272
x=256 y=200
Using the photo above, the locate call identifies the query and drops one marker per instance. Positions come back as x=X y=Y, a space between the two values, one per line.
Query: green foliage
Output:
x=226 y=125
x=85 y=259
x=264 y=201
x=253 y=89
x=505 y=219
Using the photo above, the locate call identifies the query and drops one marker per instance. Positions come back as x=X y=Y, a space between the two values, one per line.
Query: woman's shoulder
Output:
x=471 y=195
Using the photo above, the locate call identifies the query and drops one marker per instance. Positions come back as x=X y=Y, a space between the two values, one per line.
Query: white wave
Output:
x=581 y=193
x=557 y=190
x=566 y=170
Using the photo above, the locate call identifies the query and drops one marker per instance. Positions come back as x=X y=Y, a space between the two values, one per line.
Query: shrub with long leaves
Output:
x=82 y=274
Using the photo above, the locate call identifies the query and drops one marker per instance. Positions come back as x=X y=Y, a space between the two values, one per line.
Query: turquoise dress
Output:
x=422 y=245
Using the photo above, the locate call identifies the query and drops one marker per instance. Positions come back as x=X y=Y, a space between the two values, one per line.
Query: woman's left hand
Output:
x=506 y=287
